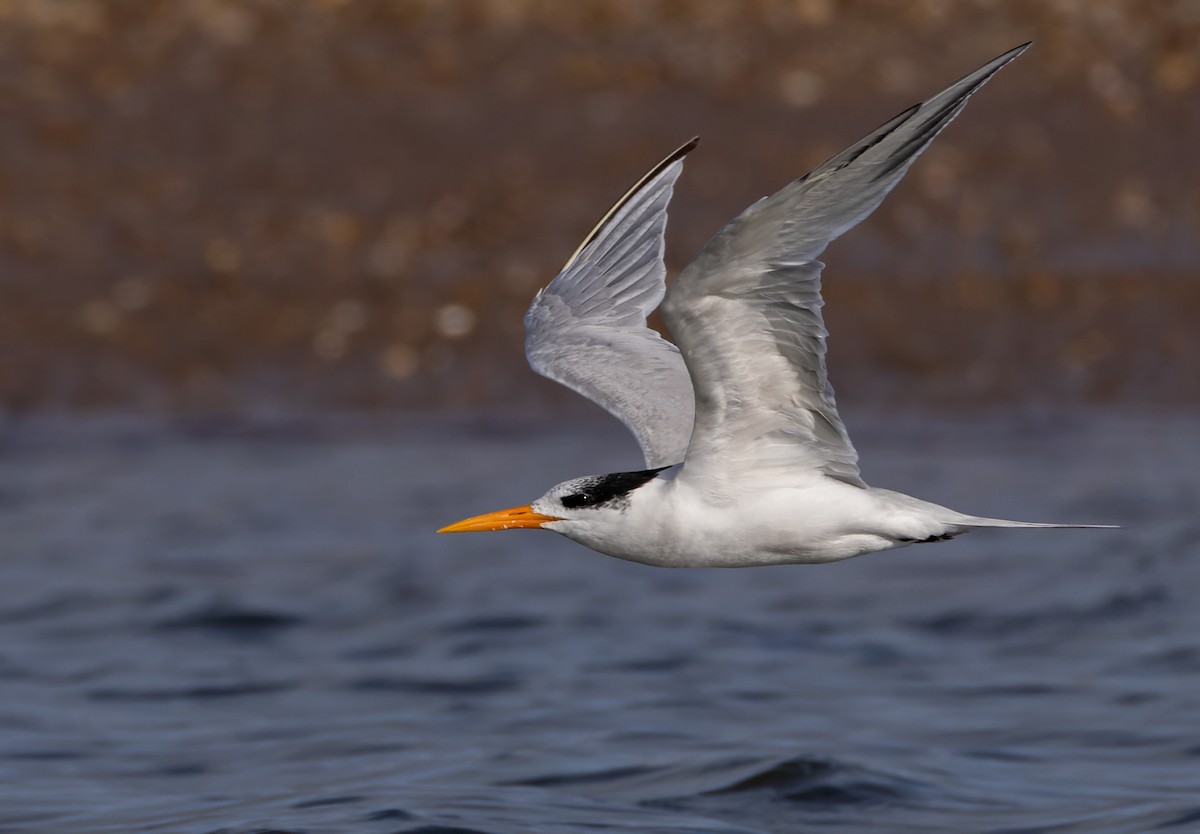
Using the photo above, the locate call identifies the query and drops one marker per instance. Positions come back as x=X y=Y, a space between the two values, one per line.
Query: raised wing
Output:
x=587 y=329
x=746 y=313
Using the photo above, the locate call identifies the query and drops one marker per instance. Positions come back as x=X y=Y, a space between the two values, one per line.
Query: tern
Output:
x=748 y=462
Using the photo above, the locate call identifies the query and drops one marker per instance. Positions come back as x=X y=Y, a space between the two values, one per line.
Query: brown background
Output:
x=216 y=205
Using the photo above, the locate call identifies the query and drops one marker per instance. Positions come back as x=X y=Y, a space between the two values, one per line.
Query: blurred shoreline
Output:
x=224 y=207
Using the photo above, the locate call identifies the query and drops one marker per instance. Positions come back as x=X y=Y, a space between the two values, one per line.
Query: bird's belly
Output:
x=786 y=527
x=718 y=551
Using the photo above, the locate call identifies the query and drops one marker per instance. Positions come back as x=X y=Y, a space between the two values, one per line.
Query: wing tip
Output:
x=676 y=155
x=985 y=73
x=1016 y=51
x=993 y=66
x=685 y=149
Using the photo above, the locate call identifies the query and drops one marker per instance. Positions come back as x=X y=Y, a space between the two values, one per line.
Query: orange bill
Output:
x=510 y=519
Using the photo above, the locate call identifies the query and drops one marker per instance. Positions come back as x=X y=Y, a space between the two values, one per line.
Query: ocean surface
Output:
x=249 y=625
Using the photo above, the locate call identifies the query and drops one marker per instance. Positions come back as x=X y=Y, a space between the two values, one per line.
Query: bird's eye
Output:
x=578 y=499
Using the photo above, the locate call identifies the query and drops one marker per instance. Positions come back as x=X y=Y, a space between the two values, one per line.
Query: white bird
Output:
x=748 y=462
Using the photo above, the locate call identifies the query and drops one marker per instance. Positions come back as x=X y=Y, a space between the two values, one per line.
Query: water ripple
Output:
x=298 y=656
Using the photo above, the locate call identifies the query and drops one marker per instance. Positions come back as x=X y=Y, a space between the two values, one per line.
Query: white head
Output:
x=587 y=510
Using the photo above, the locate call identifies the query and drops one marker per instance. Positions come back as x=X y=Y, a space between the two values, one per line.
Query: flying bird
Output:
x=748 y=462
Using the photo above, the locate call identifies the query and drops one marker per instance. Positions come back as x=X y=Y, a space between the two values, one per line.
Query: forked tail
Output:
x=979 y=521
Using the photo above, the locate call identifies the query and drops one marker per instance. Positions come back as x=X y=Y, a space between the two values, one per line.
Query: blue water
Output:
x=249 y=626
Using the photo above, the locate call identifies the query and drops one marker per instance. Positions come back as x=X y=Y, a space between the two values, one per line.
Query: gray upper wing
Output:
x=587 y=329
x=746 y=313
